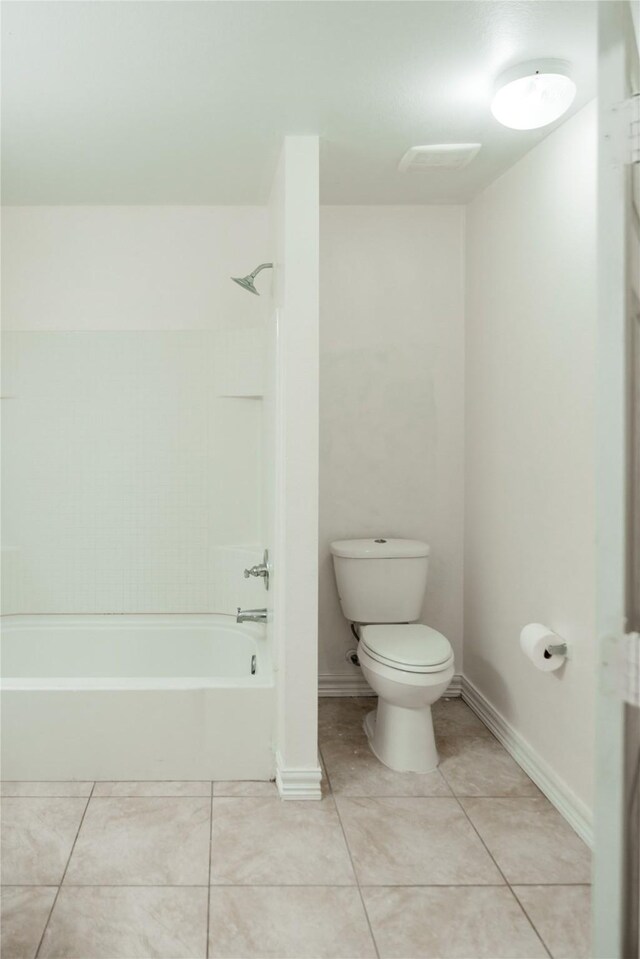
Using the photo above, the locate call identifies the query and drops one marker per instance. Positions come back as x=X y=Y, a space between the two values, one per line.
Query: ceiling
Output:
x=187 y=102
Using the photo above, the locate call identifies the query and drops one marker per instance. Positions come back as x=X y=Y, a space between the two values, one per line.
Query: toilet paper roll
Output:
x=534 y=640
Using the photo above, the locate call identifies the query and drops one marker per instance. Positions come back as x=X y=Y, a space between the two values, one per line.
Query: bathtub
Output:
x=135 y=697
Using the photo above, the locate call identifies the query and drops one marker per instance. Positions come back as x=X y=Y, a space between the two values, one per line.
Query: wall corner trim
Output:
x=298 y=783
x=573 y=809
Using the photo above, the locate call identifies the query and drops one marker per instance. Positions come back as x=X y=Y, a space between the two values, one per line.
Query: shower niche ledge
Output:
x=240 y=363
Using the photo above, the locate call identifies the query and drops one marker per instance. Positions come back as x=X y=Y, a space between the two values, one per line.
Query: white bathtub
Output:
x=135 y=697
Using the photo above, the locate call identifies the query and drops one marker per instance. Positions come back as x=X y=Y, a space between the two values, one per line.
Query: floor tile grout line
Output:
x=522 y=906
x=453 y=795
x=4 y=798
x=296 y=885
x=55 y=898
x=209 y=874
x=530 y=921
x=124 y=796
x=535 y=885
x=407 y=795
x=348 y=848
x=129 y=796
x=28 y=885
x=112 y=885
x=507 y=883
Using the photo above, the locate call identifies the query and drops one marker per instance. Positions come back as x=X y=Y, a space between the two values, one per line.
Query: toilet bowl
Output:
x=400 y=730
x=381 y=584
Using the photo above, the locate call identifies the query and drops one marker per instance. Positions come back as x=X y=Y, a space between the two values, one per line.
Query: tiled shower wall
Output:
x=131 y=457
x=130 y=485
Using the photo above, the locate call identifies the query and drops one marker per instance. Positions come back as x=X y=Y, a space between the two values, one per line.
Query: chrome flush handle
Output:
x=261 y=569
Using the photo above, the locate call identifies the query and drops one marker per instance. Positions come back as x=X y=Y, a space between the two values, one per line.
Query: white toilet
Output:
x=381 y=585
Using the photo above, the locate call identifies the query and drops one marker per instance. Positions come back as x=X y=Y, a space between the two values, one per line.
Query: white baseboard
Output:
x=298 y=783
x=455 y=687
x=330 y=684
x=334 y=684
x=546 y=779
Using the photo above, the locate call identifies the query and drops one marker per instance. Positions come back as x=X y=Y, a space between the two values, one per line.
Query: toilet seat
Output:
x=410 y=647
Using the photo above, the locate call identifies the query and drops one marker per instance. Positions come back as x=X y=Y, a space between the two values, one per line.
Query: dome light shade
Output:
x=533 y=94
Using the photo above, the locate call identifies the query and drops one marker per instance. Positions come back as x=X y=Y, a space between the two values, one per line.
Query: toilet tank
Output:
x=380 y=580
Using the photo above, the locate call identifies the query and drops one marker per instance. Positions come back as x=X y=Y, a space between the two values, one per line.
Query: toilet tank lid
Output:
x=379 y=548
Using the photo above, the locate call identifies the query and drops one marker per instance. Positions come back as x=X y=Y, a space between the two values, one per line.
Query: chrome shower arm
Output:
x=258 y=269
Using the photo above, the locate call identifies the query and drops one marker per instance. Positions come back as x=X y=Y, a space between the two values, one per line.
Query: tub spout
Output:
x=251 y=616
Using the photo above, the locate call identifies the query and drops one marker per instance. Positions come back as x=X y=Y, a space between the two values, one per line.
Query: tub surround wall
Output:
x=392 y=400
x=530 y=448
x=129 y=267
x=132 y=435
x=129 y=485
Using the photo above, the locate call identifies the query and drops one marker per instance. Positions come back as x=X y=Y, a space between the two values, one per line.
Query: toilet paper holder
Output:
x=544 y=648
x=555 y=649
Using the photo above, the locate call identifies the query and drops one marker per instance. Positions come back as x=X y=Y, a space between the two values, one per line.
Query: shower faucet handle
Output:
x=260 y=569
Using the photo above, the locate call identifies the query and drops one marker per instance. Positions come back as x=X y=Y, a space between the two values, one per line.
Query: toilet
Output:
x=381 y=585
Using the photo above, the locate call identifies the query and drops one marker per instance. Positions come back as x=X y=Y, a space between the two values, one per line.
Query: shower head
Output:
x=246 y=282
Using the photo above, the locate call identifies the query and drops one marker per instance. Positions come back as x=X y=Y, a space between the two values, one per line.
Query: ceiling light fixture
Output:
x=533 y=94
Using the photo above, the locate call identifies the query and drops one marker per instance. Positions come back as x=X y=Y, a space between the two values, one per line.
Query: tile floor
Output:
x=470 y=861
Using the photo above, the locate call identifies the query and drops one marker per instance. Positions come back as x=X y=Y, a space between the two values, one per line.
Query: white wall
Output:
x=132 y=438
x=392 y=400
x=617 y=748
x=530 y=444
x=292 y=461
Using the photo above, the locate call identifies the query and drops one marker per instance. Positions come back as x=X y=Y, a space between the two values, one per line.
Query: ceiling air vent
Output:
x=443 y=156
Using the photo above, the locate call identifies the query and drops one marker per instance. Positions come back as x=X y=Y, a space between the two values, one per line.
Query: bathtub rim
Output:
x=144 y=620
x=16 y=622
